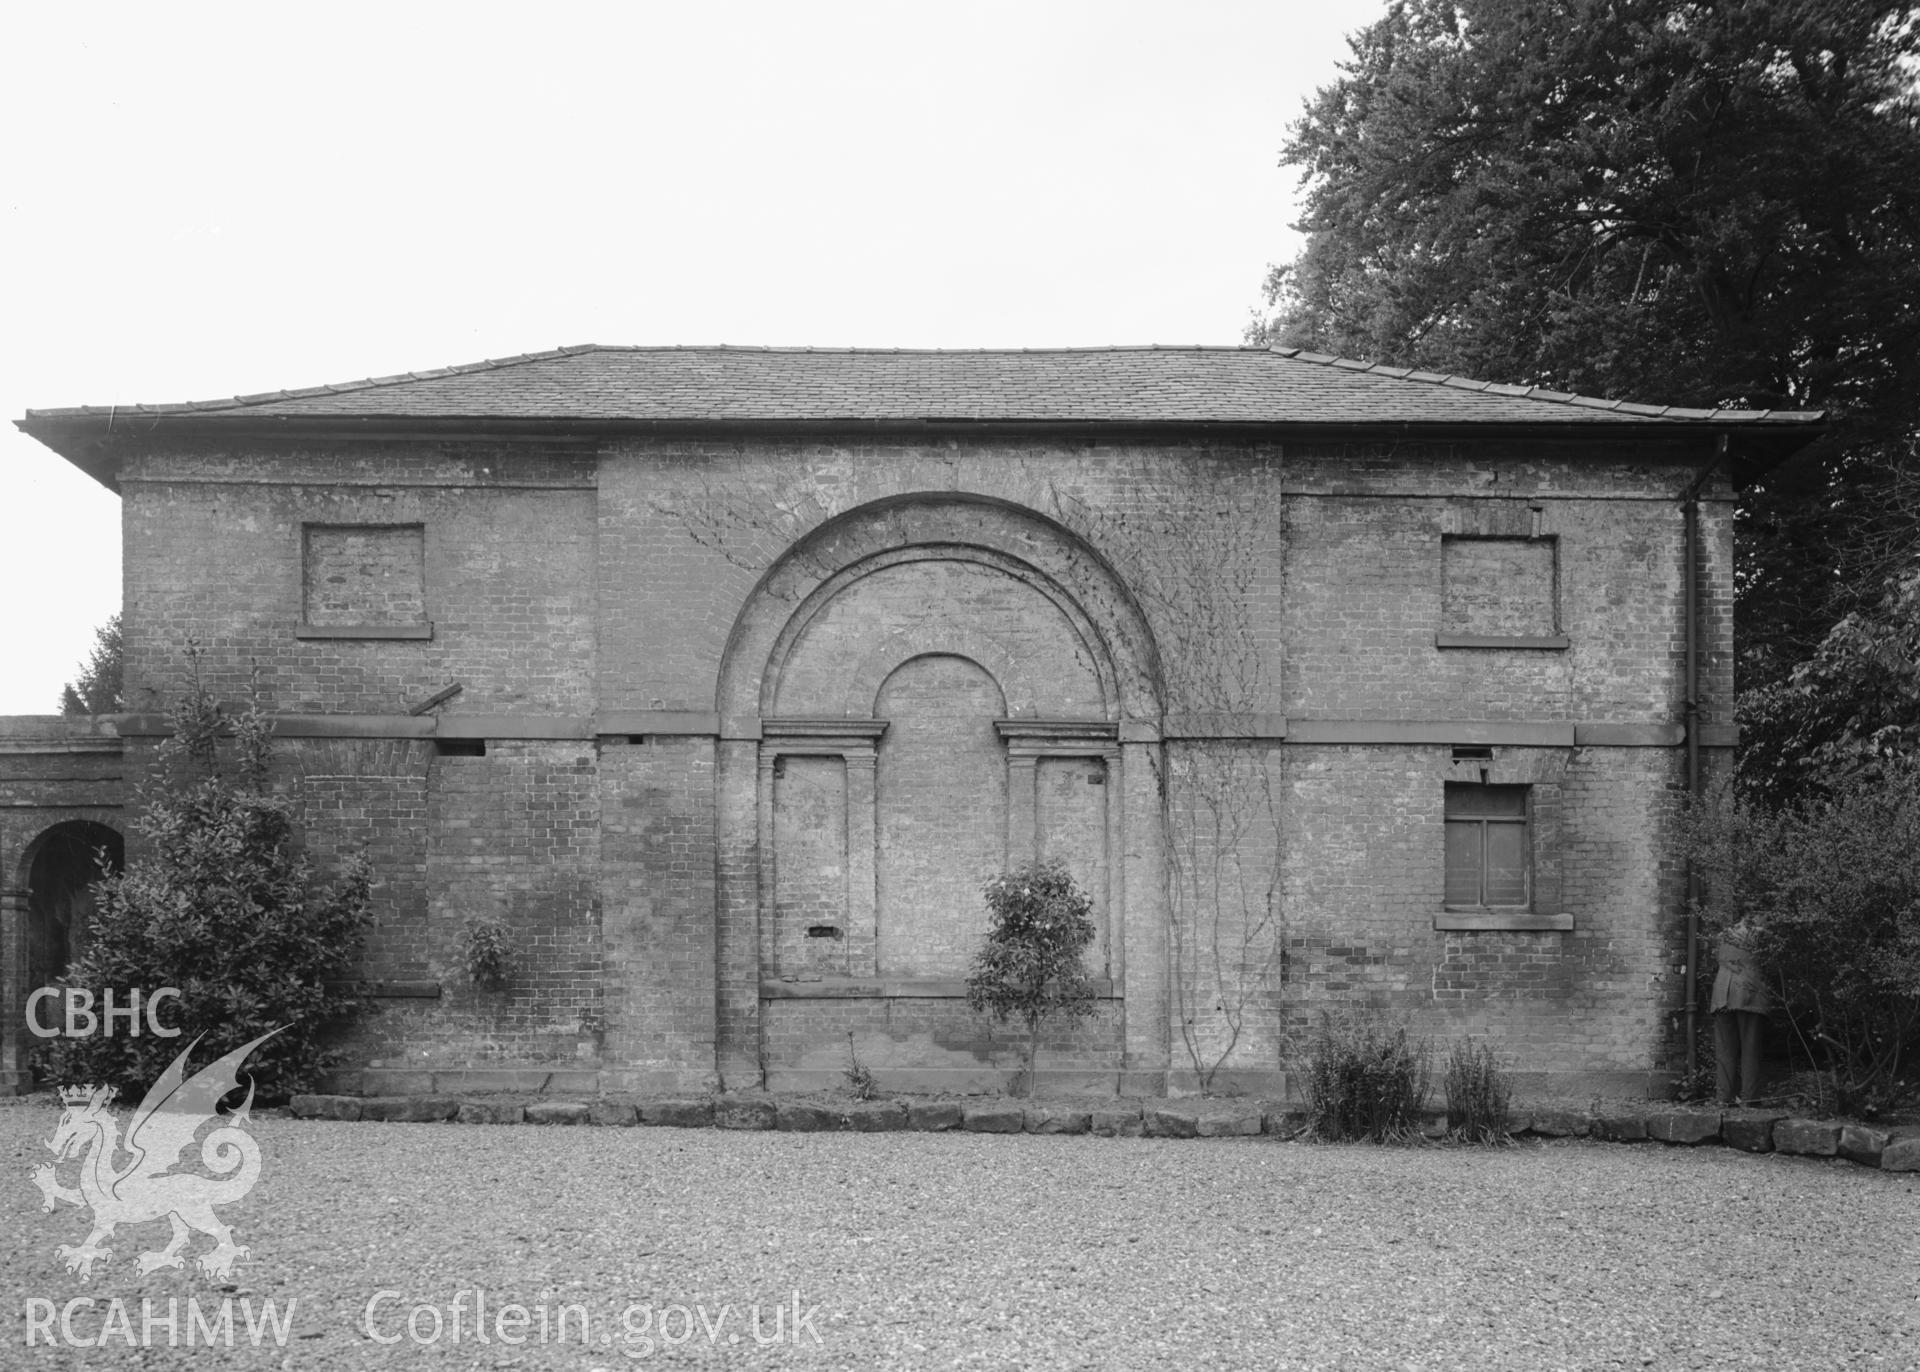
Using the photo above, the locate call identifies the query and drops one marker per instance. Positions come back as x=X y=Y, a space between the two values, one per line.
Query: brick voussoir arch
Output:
x=982 y=648
x=1010 y=537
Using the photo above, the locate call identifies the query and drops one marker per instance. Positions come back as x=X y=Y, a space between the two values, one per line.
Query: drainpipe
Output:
x=1690 y=511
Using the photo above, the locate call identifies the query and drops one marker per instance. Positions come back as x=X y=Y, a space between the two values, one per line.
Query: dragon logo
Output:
x=146 y=1188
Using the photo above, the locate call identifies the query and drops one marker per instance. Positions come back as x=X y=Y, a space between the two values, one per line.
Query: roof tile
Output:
x=593 y=383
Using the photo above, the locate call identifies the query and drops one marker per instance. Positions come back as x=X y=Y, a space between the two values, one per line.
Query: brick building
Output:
x=724 y=677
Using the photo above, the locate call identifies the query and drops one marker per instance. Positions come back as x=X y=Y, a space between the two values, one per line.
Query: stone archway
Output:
x=43 y=923
x=60 y=868
x=920 y=693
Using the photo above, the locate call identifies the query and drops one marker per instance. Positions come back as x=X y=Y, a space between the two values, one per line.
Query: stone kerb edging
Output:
x=1891 y=1150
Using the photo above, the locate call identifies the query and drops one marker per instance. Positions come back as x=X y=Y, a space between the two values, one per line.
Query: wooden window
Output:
x=1489 y=854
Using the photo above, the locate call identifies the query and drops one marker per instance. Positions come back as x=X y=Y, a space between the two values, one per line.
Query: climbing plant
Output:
x=1187 y=548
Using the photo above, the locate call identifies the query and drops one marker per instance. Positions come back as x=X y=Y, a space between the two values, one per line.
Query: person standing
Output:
x=1740 y=1004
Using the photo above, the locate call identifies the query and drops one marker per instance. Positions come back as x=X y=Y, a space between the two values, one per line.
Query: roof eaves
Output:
x=1545 y=396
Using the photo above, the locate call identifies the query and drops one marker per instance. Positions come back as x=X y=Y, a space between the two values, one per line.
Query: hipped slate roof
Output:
x=597 y=387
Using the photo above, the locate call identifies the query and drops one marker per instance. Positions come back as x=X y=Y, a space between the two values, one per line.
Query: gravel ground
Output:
x=957 y=1250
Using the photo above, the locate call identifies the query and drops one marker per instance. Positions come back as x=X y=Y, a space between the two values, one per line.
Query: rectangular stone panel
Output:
x=810 y=930
x=1070 y=815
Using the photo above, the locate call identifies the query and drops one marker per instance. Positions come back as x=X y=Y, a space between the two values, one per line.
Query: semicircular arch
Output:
x=1012 y=539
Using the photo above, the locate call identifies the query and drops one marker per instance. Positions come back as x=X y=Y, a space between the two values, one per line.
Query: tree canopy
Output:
x=1671 y=201
x=1846 y=715
x=97 y=690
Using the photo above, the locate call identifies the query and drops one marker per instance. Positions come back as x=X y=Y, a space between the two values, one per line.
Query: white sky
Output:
x=204 y=201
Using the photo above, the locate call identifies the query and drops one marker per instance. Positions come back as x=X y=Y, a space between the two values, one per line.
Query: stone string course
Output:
x=1895 y=1149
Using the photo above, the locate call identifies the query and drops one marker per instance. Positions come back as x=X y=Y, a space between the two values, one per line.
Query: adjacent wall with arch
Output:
x=61 y=810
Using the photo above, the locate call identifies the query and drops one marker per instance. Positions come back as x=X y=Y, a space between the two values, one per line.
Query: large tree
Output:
x=220 y=905
x=1674 y=201
x=98 y=689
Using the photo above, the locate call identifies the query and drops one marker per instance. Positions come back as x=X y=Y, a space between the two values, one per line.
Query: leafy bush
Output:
x=489 y=952
x=1478 y=1092
x=1365 y=1080
x=220 y=906
x=1032 y=965
x=1845 y=715
x=1829 y=890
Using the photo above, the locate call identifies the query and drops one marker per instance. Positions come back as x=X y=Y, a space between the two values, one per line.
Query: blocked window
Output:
x=1489 y=848
x=364 y=575
x=1499 y=587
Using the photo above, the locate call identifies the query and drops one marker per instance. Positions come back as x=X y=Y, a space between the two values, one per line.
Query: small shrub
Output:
x=1702 y=1083
x=860 y=1079
x=1365 y=1080
x=1478 y=1092
x=489 y=952
x=1032 y=965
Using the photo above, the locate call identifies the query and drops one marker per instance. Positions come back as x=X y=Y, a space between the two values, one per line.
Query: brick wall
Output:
x=657 y=896
x=511 y=836
x=929 y=1041
x=688 y=529
x=1365 y=883
x=215 y=551
x=370 y=797
x=1230 y=595
x=1228 y=910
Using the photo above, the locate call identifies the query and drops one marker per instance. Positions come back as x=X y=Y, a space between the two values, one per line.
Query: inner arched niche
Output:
x=941 y=809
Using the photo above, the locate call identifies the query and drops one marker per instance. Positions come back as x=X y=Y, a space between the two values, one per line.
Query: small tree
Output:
x=97 y=689
x=222 y=907
x=1032 y=963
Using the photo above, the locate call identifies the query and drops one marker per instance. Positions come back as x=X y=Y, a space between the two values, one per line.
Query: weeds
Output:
x=1365 y=1080
x=859 y=1076
x=489 y=952
x=1478 y=1093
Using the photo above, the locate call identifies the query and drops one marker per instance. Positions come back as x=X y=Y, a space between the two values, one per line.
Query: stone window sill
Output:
x=414 y=631
x=389 y=990
x=886 y=988
x=1550 y=642
x=1493 y=921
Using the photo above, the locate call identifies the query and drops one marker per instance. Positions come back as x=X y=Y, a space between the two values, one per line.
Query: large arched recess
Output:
x=792 y=590
x=1038 y=613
